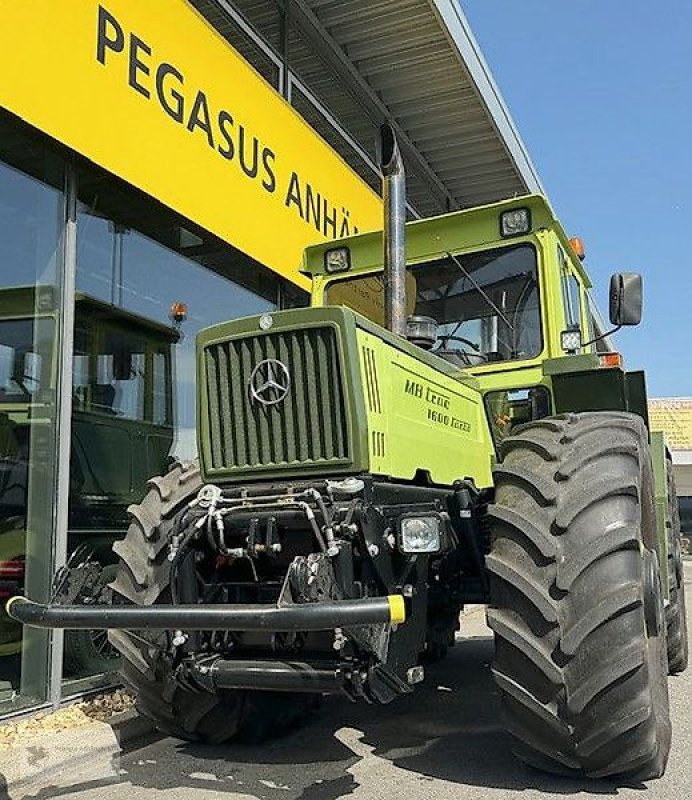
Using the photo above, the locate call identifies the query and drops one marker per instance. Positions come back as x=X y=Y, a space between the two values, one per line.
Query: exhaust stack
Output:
x=394 y=194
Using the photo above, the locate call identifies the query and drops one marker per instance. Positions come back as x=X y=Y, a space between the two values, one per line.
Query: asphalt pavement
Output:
x=444 y=742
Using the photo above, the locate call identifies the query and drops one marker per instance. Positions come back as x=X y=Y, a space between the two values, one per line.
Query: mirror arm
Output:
x=602 y=336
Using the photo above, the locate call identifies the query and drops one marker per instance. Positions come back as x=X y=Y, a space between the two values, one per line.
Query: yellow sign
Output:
x=149 y=91
x=673 y=416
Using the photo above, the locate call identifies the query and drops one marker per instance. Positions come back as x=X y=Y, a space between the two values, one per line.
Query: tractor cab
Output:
x=122 y=411
x=122 y=401
x=498 y=291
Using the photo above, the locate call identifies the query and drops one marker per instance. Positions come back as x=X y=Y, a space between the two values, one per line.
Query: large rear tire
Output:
x=676 y=611
x=576 y=601
x=142 y=578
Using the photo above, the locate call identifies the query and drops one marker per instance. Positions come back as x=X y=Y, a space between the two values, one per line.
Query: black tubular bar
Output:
x=299 y=617
x=278 y=676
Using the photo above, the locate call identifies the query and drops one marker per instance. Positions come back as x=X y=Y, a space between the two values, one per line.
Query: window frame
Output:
x=538 y=252
x=569 y=280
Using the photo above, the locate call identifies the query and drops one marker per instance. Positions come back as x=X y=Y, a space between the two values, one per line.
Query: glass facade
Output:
x=32 y=216
x=146 y=281
x=102 y=293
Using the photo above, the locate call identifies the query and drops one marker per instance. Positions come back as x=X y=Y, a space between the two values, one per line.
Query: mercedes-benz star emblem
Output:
x=269 y=382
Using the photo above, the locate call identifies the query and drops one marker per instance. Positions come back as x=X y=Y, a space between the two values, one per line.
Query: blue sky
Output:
x=601 y=93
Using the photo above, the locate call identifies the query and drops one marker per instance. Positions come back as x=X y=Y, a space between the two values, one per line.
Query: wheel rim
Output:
x=102 y=646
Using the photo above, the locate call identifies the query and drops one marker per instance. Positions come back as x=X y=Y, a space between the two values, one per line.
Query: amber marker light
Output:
x=179 y=312
x=611 y=360
x=577 y=244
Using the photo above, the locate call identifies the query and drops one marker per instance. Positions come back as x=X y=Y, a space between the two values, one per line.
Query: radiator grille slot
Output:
x=308 y=426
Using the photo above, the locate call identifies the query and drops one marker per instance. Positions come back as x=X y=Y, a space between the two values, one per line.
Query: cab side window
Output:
x=571 y=293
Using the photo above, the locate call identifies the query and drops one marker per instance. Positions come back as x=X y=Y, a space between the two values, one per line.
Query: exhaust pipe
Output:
x=394 y=195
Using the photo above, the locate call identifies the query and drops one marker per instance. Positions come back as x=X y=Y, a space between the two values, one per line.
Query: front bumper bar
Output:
x=299 y=617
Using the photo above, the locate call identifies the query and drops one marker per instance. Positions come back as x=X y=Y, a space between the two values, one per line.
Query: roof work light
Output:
x=515 y=222
x=338 y=259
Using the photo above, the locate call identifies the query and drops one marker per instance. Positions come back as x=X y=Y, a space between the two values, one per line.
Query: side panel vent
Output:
x=372 y=386
x=378 y=444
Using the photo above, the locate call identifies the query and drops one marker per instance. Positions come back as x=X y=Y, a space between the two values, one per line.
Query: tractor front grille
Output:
x=307 y=426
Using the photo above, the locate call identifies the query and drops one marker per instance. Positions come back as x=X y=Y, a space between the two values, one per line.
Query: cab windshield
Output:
x=486 y=304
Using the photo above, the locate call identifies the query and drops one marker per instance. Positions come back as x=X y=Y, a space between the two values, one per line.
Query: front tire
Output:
x=90 y=652
x=576 y=602
x=142 y=578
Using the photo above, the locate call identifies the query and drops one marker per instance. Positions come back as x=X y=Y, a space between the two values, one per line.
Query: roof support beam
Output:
x=323 y=43
x=464 y=42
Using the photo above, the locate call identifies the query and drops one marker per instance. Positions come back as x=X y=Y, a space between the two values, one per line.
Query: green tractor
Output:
x=122 y=433
x=445 y=425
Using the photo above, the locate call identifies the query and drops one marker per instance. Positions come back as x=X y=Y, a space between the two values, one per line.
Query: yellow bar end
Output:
x=397 y=609
x=11 y=602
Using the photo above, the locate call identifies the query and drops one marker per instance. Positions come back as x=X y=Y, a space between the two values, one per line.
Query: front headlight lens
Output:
x=420 y=534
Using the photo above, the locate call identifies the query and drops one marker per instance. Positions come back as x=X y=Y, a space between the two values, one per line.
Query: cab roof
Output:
x=433 y=237
x=18 y=302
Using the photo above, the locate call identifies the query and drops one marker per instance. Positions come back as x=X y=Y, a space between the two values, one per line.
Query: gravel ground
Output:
x=445 y=742
x=100 y=708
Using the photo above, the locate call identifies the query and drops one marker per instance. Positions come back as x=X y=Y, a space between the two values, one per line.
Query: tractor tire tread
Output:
x=676 y=611
x=581 y=680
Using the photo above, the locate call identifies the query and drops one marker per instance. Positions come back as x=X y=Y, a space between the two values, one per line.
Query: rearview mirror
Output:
x=626 y=298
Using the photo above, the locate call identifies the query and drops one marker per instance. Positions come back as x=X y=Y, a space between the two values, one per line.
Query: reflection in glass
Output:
x=133 y=385
x=31 y=220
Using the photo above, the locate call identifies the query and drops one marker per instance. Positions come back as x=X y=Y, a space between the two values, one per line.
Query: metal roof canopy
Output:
x=416 y=64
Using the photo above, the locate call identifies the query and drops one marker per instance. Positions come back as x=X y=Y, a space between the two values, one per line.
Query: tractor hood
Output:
x=323 y=391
